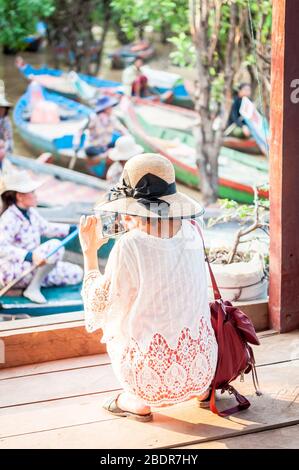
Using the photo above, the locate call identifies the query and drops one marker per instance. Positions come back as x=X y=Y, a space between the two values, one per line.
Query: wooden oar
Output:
x=77 y=148
x=230 y=129
x=41 y=263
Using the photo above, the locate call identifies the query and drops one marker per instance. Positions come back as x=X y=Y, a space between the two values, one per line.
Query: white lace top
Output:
x=152 y=303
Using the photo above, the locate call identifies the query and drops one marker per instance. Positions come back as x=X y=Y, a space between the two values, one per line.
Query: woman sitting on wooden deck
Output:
x=21 y=230
x=152 y=301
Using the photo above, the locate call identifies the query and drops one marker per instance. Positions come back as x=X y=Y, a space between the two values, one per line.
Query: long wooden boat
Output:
x=127 y=54
x=58 y=81
x=183 y=120
x=238 y=173
x=247 y=145
x=62 y=188
x=63 y=197
x=57 y=139
x=173 y=123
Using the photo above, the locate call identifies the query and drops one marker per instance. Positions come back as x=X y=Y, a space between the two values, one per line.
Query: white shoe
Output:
x=35 y=296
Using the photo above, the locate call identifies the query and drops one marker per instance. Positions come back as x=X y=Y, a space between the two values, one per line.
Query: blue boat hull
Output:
x=40 y=143
x=93 y=81
x=180 y=95
x=59 y=300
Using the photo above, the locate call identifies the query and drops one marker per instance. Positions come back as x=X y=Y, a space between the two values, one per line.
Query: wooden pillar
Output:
x=284 y=168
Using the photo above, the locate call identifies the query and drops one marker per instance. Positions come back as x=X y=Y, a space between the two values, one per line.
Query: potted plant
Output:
x=242 y=271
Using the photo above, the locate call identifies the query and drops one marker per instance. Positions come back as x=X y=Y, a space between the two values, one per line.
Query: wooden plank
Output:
x=41 y=344
x=274 y=348
x=55 y=414
x=172 y=426
x=46 y=320
x=56 y=385
x=282 y=438
x=257 y=311
x=284 y=168
x=40 y=339
x=277 y=348
x=55 y=366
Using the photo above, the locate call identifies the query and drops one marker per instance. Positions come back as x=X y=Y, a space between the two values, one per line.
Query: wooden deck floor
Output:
x=58 y=405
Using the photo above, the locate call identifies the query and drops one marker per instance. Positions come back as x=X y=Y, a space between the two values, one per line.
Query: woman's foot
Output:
x=35 y=295
x=204 y=400
x=129 y=406
x=129 y=402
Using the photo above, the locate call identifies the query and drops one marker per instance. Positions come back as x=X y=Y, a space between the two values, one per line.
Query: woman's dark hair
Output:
x=6 y=110
x=243 y=85
x=8 y=199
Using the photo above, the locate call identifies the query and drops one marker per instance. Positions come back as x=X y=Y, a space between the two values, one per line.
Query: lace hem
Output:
x=165 y=376
x=96 y=300
x=176 y=401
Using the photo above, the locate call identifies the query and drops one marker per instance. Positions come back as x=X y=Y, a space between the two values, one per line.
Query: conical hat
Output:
x=20 y=181
x=125 y=148
x=3 y=101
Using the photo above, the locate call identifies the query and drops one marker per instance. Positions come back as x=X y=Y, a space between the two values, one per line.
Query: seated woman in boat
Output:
x=236 y=124
x=134 y=80
x=2 y=153
x=6 y=133
x=25 y=68
x=104 y=130
x=152 y=300
x=125 y=148
x=21 y=231
x=135 y=83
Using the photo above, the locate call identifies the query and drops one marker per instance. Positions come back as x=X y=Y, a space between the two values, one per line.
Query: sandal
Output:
x=206 y=402
x=112 y=406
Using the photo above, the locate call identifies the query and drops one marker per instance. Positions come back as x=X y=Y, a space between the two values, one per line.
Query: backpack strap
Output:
x=254 y=373
x=243 y=403
x=217 y=295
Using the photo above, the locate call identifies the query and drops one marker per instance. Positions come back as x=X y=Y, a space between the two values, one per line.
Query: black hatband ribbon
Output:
x=149 y=189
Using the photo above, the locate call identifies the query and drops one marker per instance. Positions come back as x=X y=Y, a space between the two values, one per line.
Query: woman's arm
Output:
x=120 y=127
x=95 y=289
x=8 y=230
x=50 y=229
x=90 y=234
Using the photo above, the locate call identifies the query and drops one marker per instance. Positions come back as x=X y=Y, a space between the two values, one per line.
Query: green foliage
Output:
x=261 y=14
x=159 y=14
x=18 y=19
x=184 y=54
x=244 y=213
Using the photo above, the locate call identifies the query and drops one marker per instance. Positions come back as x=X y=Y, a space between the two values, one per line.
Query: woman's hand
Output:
x=246 y=131
x=90 y=234
x=37 y=259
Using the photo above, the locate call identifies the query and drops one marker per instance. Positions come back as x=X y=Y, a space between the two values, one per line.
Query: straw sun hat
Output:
x=147 y=189
x=19 y=181
x=125 y=148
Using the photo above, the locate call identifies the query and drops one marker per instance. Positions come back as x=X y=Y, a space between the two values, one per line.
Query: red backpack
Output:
x=233 y=331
